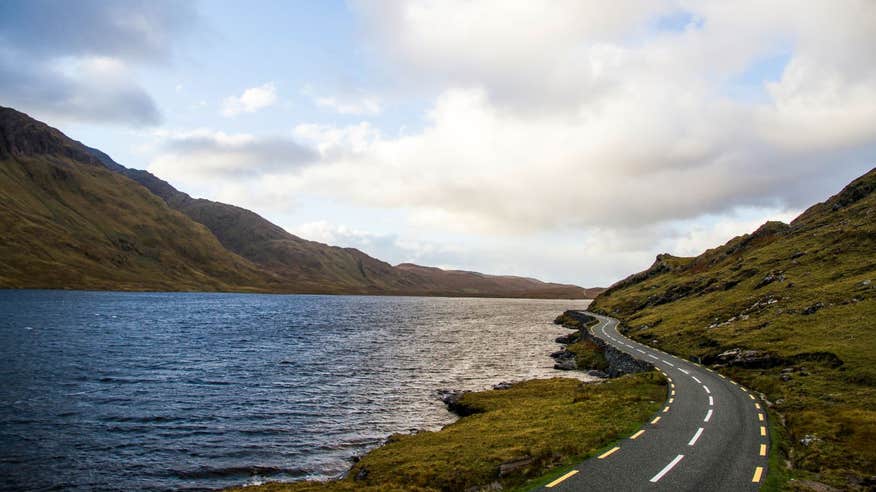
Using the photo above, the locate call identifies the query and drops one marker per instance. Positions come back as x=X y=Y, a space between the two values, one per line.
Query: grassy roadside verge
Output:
x=777 y=471
x=515 y=436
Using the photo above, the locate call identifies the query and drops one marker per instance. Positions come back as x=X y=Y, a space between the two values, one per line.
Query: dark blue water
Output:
x=160 y=391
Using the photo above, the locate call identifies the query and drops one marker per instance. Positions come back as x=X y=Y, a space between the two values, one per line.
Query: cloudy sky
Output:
x=567 y=140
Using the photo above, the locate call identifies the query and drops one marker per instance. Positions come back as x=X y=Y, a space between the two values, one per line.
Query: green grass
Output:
x=777 y=471
x=71 y=225
x=588 y=355
x=700 y=307
x=548 y=423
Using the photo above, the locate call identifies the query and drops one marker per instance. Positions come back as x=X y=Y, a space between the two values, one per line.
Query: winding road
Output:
x=710 y=434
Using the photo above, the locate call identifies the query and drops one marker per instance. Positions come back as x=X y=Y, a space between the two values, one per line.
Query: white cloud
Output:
x=251 y=100
x=366 y=105
x=329 y=139
x=57 y=65
x=387 y=247
x=570 y=140
x=215 y=155
x=692 y=238
x=97 y=89
x=585 y=117
x=353 y=103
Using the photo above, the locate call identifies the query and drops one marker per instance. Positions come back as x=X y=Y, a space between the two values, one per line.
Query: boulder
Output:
x=813 y=308
x=452 y=398
x=747 y=358
x=562 y=355
x=510 y=467
x=566 y=365
x=567 y=339
x=775 y=276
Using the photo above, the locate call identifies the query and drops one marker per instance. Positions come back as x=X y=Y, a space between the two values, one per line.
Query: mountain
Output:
x=74 y=218
x=790 y=310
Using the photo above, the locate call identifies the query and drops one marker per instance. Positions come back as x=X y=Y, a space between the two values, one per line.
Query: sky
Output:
x=570 y=141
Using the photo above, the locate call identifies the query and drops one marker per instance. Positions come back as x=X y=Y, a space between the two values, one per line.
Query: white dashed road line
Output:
x=666 y=468
x=693 y=440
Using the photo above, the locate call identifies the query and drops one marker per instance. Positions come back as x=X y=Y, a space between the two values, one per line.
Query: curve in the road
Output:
x=710 y=435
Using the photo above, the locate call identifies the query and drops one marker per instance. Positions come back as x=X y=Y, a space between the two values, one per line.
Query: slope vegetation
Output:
x=789 y=310
x=66 y=221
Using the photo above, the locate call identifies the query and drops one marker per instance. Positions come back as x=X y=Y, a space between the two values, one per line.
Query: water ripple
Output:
x=157 y=391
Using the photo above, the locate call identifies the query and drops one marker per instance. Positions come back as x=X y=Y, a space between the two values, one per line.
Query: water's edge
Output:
x=451 y=397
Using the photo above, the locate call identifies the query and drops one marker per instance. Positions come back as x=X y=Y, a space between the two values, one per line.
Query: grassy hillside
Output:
x=790 y=310
x=66 y=221
x=317 y=267
x=74 y=218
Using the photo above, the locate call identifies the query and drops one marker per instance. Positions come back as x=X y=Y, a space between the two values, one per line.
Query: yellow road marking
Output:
x=666 y=409
x=751 y=396
x=673 y=393
x=760 y=417
x=757 y=473
x=762 y=430
x=608 y=453
x=763 y=449
x=671 y=400
x=656 y=419
x=637 y=434
x=559 y=480
x=757 y=406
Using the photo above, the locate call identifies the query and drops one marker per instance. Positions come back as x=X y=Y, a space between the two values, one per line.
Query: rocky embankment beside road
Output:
x=585 y=351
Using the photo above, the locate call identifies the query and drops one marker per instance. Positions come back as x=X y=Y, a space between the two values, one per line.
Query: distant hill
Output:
x=790 y=310
x=74 y=218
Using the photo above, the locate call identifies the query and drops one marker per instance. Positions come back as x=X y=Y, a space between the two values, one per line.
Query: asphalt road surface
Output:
x=709 y=435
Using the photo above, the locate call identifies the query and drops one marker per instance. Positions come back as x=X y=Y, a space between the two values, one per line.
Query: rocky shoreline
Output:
x=616 y=364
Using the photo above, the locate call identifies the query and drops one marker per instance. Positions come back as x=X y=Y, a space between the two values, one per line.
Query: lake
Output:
x=159 y=391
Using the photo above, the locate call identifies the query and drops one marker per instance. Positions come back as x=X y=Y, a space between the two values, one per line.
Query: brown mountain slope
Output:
x=67 y=222
x=790 y=310
x=520 y=286
x=239 y=249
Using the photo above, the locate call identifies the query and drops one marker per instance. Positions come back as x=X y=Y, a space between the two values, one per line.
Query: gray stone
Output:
x=813 y=308
x=809 y=439
x=510 y=467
